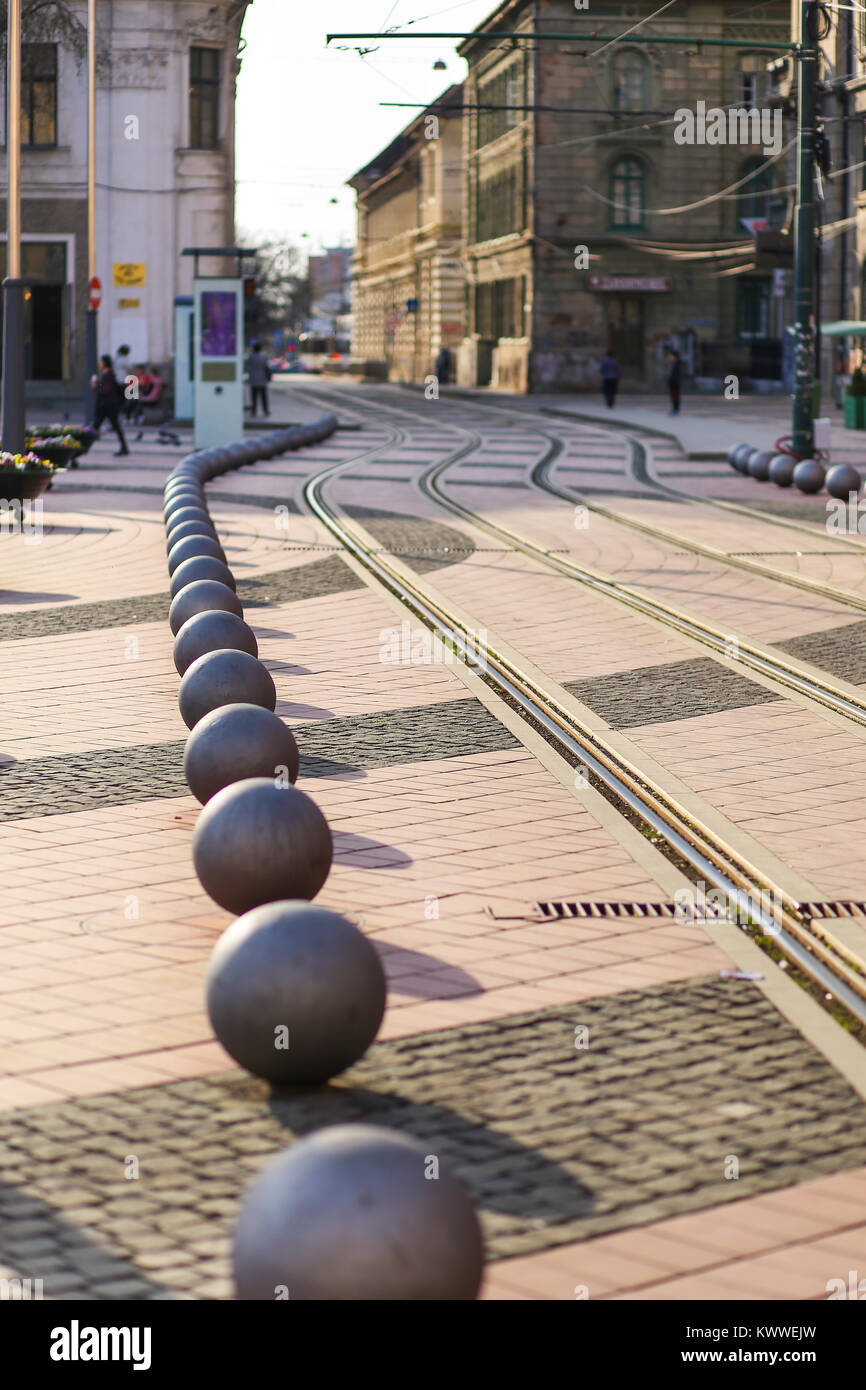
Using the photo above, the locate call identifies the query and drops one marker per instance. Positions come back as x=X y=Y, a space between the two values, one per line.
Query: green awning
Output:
x=842 y=328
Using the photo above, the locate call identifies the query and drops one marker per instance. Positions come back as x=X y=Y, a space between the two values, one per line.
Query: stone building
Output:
x=408 y=289
x=588 y=224
x=164 y=172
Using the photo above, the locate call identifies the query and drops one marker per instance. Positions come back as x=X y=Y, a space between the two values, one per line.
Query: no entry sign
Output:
x=95 y=292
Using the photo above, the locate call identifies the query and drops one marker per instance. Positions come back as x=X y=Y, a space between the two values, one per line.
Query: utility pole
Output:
x=803 y=431
x=90 y=360
x=12 y=426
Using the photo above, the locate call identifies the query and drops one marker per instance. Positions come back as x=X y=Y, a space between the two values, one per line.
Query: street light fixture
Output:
x=90 y=344
x=12 y=408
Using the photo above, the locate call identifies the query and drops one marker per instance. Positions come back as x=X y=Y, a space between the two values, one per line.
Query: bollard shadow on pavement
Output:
x=416 y=973
x=362 y=853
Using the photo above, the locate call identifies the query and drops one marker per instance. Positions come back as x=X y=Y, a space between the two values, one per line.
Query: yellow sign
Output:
x=128 y=273
x=129 y=303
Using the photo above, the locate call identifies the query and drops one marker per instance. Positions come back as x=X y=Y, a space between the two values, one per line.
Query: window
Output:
x=204 y=97
x=431 y=172
x=753 y=308
x=757 y=198
x=499 y=204
x=39 y=94
x=627 y=194
x=499 y=308
x=753 y=80
x=500 y=95
x=630 y=75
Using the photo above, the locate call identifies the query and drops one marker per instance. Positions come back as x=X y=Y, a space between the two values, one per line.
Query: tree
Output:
x=282 y=288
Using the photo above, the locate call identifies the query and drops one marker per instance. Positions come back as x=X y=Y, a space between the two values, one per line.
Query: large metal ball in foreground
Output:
x=200 y=567
x=235 y=742
x=188 y=546
x=212 y=631
x=759 y=465
x=204 y=595
x=258 y=841
x=224 y=677
x=295 y=993
x=809 y=476
x=352 y=1212
x=843 y=480
x=781 y=470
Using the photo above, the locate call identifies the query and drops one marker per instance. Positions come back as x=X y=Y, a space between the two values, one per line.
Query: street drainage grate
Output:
x=558 y=911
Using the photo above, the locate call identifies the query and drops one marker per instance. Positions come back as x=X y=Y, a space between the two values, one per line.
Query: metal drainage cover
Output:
x=558 y=911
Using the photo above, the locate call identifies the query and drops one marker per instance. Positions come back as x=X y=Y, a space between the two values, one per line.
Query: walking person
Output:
x=609 y=378
x=259 y=374
x=675 y=373
x=109 y=397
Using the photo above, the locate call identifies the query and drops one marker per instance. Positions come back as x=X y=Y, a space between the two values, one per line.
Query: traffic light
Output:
x=249 y=286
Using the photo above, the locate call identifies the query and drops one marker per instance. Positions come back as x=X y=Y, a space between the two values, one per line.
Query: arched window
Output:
x=753 y=80
x=630 y=81
x=627 y=194
x=757 y=198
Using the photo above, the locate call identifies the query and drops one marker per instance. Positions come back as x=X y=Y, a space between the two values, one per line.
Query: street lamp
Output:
x=12 y=408
x=90 y=362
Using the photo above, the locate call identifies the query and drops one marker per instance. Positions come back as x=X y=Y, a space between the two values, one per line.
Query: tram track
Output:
x=771 y=911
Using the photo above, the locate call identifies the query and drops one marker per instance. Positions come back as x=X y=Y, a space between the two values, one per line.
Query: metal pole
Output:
x=90 y=340
x=803 y=440
x=13 y=391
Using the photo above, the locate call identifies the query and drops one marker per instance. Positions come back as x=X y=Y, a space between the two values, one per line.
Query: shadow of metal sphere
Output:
x=842 y=480
x=201 y=597
x=200 y=567
x=212 y=631
x=224 y=677
x=295 y=993
x=781 y=470
x=236 y=742
x=759 y=465
x=350 y=1213
x=257 y=842
x=192 y=547
x=809 y=476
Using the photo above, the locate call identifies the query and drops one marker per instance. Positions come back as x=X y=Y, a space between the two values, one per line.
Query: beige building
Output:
x=408 y=283
x=588 y=226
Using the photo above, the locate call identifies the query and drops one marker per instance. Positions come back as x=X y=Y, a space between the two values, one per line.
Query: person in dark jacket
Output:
x=609 y=378
x=259 y=374
x=443 y=366
x=109 y=398
x=675 y=373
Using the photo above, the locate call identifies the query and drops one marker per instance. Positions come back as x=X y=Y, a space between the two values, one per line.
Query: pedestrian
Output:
x=123 y=369
x=675 y=372
x=609 y=378
x=108 y=401
x=259 y=374
x=443 y=366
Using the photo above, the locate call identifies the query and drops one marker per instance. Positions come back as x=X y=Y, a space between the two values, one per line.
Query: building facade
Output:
x=593 y=216
x=164 y=171
x=408 y=284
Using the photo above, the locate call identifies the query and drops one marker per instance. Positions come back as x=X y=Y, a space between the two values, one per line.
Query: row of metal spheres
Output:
x=295 y=993
x=784 y=469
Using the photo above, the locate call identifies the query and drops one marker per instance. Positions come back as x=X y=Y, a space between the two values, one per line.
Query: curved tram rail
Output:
x=827 y=961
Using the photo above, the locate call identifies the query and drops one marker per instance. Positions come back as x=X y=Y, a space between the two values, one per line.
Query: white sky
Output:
x=309 y=116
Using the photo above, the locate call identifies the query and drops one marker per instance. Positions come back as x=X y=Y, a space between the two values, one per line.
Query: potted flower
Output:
x=85 y=435
x=59 y=449
x=23 y=476
x=855 y=401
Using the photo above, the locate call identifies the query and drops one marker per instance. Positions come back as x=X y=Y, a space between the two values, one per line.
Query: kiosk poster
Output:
x=219 y=323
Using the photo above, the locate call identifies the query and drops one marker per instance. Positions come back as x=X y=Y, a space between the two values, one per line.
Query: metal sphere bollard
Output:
x=184 y=497
x=741 y=459
x=190 y=528
x=200 y=567
x=236 y=742
x=781 y=470
x=201 y=597
x=259 y=842
x=759 y=465
x=349 y=1213
x=189 y=547
x=212 y=631
x=186 y=514
x=809 y=476
x=734 y=451
x=842 y=480
x=224 y=677
x=295 y=993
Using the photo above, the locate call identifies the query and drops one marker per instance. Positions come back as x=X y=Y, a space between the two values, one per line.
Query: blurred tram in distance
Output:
x=319 y=352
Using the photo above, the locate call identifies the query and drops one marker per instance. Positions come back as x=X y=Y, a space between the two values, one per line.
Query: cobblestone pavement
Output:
x=554 y=1143
x=609 y=1165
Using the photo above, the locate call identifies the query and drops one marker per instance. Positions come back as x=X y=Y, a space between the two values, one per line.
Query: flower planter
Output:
x=58 y=454
x=23 y=484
